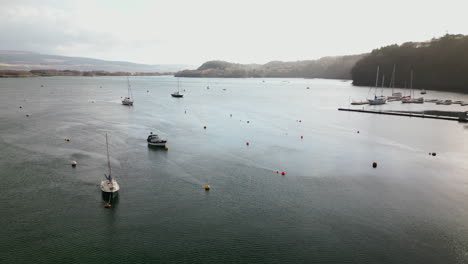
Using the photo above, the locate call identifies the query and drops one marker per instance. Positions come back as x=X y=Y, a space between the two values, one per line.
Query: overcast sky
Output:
x=244 y=31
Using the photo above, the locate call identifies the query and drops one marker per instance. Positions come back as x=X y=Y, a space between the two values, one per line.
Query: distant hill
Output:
x=26 y=61
x=328 y=67
x=438 y=64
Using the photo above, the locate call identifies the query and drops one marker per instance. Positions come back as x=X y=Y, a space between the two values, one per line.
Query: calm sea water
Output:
x=330 y=207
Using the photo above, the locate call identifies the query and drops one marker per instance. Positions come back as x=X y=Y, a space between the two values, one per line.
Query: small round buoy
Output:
x=358 y=131
x=207 y=187
x=430 y=153
x=21 y=107
x=27 y=115
x=67 y=139
x=302 y=137
x=374 y=164
x=283 y=173
x=107 y=206
x=277 y=172
x=433 y=154
x=300 y=121
x=166 y=148
x=204 y=127
x=248 y=122
x=73 y=164
x=247 y=143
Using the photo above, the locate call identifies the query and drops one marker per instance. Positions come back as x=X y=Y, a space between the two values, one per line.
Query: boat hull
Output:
x=109 y=187
x=377 y=102
x=177 y=95
x=157 y=144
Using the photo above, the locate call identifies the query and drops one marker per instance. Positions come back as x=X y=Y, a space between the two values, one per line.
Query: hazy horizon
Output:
x=188 y=32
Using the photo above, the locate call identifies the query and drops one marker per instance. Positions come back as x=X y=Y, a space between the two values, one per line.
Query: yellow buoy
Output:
x=166 y=148
x=207 y=187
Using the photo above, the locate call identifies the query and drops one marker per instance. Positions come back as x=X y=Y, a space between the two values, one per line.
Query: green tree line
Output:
x=438 y=64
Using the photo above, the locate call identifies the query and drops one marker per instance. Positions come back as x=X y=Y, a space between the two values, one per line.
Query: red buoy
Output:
x=283 y=173
x=107 y=206
x=374 y=164
x=247 y=143
x=73 y=164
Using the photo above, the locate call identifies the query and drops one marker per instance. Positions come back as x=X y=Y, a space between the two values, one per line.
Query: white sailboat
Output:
x=410 y=100
x=395 y=96
x=109 y=185
x=378 y=100
x=128 y=100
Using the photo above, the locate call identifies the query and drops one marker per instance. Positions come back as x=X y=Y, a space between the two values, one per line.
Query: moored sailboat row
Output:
x=396 y=96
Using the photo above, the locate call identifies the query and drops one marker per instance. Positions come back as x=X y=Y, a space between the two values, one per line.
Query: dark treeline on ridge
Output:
x=439 y=64
x=328 y=67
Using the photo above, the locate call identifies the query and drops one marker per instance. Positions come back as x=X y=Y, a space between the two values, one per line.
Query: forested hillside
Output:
x=327 y=67
x=439 y=64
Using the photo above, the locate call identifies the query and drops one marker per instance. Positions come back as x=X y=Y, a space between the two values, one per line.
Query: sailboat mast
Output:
x=383 y=82
x=178 y=85
x=130 y=95
x=377 y=77
x=108 y=160
x=393 y=78
x=411 y=82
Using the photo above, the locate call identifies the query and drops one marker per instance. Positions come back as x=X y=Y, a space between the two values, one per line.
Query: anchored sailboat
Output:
x=109 y=185
x=128 y=100
x=378 y=100
x=395 y=96
x=177 y=94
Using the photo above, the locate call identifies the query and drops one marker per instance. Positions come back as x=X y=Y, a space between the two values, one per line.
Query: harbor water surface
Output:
x=331 y=206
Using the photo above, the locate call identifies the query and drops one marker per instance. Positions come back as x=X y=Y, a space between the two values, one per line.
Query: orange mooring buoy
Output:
x=207 y=187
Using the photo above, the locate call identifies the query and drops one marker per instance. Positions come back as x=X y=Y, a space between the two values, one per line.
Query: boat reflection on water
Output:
x=110 y=198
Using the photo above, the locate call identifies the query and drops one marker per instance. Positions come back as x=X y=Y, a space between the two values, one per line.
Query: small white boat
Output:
x=128 y=100
x=378 y=100
x=155 y=140
x=109 y=185
x=395 y=97
x=423 y=91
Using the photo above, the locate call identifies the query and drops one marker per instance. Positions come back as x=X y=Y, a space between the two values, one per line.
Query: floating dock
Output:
x=462 y=116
